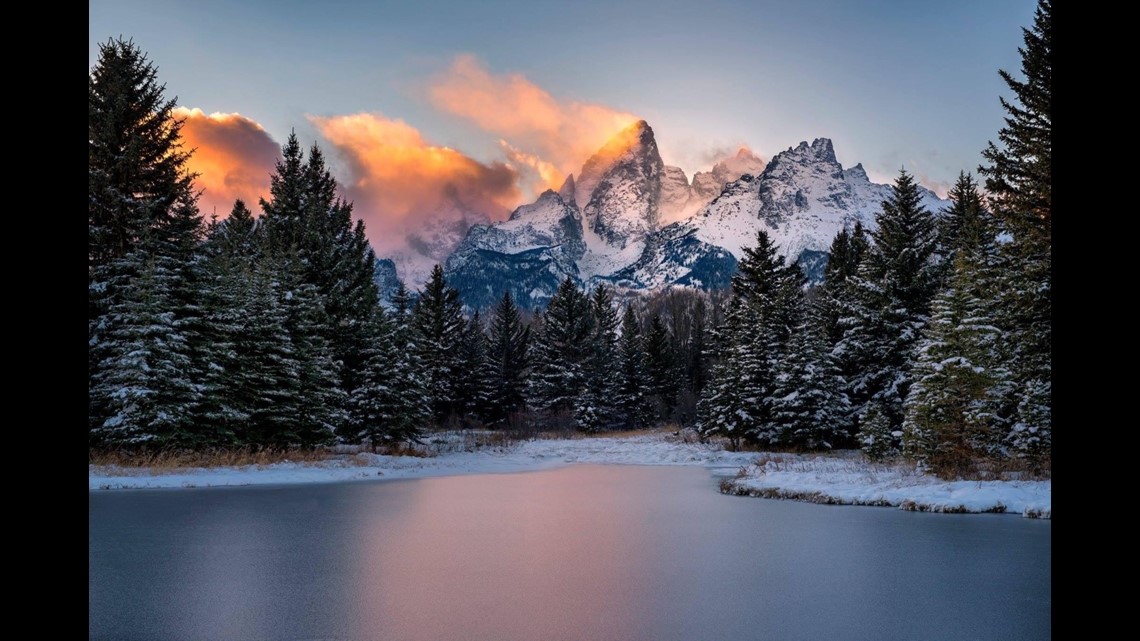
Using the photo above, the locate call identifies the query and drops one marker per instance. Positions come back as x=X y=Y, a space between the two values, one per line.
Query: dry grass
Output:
x=182 y=459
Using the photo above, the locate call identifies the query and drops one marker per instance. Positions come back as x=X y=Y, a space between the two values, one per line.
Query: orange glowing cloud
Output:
x=400 y=181
x=550 y=136
x=233 y=156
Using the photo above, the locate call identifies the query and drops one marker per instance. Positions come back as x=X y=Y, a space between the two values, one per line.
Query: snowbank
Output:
x=851 y=480
x=844 y=478
x=648 y=449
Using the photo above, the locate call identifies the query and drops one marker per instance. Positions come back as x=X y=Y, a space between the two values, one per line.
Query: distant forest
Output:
x=929 y=337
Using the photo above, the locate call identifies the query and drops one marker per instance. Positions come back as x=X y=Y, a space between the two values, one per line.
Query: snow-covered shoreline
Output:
x=851 y=480
x=837 y=479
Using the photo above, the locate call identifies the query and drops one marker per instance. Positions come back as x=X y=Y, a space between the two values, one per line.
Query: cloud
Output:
x=233 y=155
x=401 y=182
x=552 y=136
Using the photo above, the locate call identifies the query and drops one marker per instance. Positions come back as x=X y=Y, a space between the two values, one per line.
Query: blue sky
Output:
x=893 y=83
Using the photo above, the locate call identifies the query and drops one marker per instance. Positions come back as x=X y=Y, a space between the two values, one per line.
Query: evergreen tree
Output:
x=509 y=358
x=374 y=404
x=411 y=399
x=144 y=377
x=321 y=402
x=1019 y=183
x=889 y=307
x=143 y=276
x=808 y=404
x=597 y=407
x=438 y=321
x=660 y=360
x=229 y=384
x=767 y=303
x=846 y=254
x=562 y=348
x=632 y=391
x=954 y=410
x=473 y=389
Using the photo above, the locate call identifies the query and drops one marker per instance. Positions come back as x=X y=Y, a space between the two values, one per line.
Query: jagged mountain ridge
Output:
x=605 y=224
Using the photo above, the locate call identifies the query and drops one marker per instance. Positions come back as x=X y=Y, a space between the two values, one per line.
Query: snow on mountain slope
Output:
x=802 y=199
x=623 y=205
x=528 y=254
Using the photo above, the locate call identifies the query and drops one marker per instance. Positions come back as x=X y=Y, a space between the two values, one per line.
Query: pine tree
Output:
x=473 y=389
x=509 y=358
x=412 y=408
x=374 y=403
x=808 y=404
x=438 y=321
x=562 y=347
x=598 y=407
x=632 y=391
x=888 y=309
x=1019 y=183
x=767 y=303
x=143 y=276
x=954 y=410
x=144 y=377
x=229 y=385
x=661 y=365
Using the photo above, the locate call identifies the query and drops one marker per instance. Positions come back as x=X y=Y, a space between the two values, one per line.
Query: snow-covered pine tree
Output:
x=954 y=409
x=321 y=402
x=889 y=307
x=808 y=404
x=143 y=276
x=509 y=359
x=1019 y=185
x=661 y=365
x=597 y=407
x=307 y=221
x=473 y=389
x=956 y=413
x=632 y=392
x=374 y=403
x=229 y=384
x=408 y=381
x=145 y=375
x=438 y=321
x=728 y=406
x=270 y=371
x=562 y=347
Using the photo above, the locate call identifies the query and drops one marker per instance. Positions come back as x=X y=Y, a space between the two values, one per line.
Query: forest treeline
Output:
x=929 y=337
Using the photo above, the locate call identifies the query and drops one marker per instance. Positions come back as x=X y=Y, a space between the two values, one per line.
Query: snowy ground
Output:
x=844 y=478
x=851 y=480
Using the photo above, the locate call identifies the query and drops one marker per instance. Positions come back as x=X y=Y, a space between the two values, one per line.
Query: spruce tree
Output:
x=473 y=389
x=633 y=388
x=143 y=276
x=597 y=408
x=661 y=364
x=888 y=309
x=509 y=359
x=562 y=348
x=1019 y=184
x=438 y=321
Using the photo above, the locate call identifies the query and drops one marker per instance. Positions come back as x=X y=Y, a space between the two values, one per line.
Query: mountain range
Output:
x=633 y=222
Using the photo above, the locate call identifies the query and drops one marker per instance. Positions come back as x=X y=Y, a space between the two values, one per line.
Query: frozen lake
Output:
x=583 y=552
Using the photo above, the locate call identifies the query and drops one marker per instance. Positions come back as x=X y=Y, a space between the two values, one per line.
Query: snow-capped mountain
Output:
x=529 y=254
x=801 y=199
x=604 y=225
x=708 y=184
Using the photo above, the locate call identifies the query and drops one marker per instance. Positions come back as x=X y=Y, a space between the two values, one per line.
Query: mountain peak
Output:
x=635 y=141
x=823 y=149
x=566 y=191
